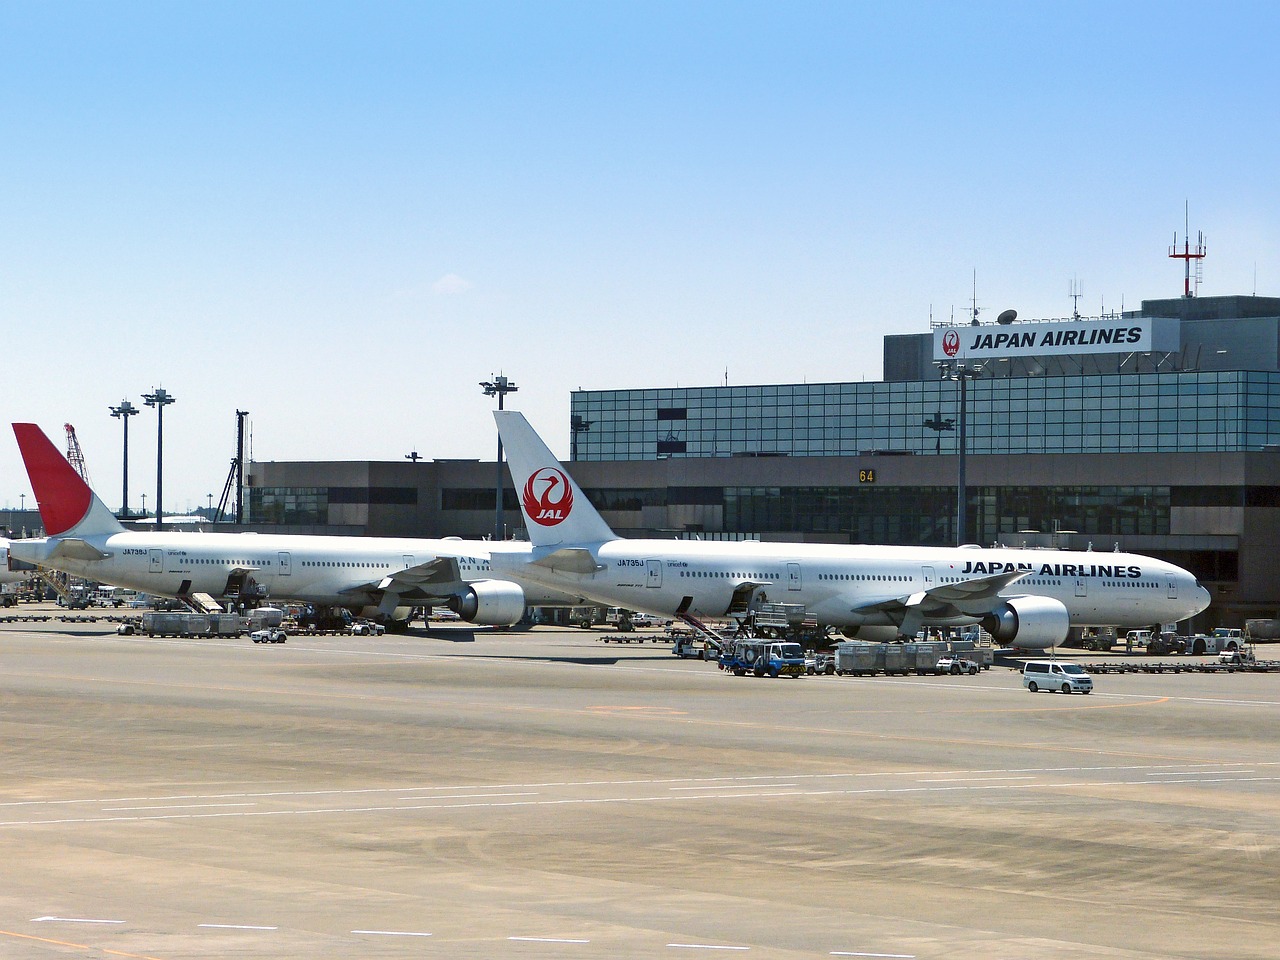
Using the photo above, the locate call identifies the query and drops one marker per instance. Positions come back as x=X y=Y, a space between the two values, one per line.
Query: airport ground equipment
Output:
x=859 y=659
x=956 y=664
x=620 y=618
x=269 y=635
x=1164 y=643
x=689 y=645
x=172 y=623
x=763 y=658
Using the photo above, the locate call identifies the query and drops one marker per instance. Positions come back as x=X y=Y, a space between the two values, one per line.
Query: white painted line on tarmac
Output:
x=73 y=920
x=966 y=779
x=703 y=946
x=849 y=953
x=392 y=933
x=725 y=786
x=233 y=926
x=180 y=806
x=473 y=796
x=548 y=940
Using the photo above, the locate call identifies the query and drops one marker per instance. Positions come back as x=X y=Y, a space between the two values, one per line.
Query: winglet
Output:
x=67 y=505
x=555 y=509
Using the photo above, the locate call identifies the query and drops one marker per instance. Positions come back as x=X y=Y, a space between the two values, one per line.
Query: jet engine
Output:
x=1032 y=623
x=490 y=603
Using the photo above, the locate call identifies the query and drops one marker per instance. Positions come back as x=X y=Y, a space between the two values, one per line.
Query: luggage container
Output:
x=859 y=658
x=167 y=623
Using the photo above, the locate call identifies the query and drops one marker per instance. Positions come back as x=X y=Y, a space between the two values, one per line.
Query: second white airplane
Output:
x=1024 y=598
x=374 y=576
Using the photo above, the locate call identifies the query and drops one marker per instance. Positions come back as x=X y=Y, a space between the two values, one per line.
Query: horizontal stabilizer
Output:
x=73 y=548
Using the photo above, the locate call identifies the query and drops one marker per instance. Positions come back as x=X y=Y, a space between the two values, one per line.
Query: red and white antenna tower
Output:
x=1187 y=254
x=75 y=456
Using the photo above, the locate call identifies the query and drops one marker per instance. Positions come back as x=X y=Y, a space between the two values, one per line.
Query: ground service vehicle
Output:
x=269 y=635
x=955 y=665
x=1055 y=676
x=764 y=658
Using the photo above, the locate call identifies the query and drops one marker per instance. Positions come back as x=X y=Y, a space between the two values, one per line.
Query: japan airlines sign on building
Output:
x=991 y=342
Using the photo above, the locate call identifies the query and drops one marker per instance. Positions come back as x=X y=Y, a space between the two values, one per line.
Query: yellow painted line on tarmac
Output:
x=76 y=946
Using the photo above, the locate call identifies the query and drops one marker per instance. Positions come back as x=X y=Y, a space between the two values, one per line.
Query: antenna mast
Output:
x=1187 y=255
x=1075 y=292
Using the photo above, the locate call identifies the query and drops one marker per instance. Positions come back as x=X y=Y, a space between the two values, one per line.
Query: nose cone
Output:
x=1202 y=598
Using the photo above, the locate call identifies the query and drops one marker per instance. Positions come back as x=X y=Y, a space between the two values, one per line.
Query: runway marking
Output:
x=679 y=790
x=703 y=946
x=965 y=779
x=392 y=933
x=77 y=946
x=233 y=926
x=184 y=806
x=474 y=796
x=850 y=953
x=548 y=940
x=73 y=920
x=720 y=786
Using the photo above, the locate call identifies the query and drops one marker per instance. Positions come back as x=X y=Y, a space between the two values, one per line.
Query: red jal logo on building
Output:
x=951 y=343
x=554 y=501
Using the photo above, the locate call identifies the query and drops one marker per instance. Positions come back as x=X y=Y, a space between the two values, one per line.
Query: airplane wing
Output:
x=433 y=580
x=969 y=598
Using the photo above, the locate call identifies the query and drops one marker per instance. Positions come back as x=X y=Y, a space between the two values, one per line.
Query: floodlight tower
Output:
x=159 y=398
x=498 y=387
x=124 y=412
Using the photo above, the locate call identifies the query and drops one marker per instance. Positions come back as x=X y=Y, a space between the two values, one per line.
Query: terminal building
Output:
x=1154 y=431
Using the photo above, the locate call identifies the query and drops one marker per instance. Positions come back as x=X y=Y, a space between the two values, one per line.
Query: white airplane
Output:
x=1023 y=598
x=377 y=577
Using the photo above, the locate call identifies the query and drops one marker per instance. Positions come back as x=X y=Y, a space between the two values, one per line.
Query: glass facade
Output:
x=310 y=505
x=1111 y=413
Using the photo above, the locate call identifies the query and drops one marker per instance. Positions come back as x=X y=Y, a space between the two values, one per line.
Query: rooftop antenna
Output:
x=1188 y=254
x=1075 y=292
x=976 y=308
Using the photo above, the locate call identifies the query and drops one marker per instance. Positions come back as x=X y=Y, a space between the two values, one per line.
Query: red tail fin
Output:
x=64 y=497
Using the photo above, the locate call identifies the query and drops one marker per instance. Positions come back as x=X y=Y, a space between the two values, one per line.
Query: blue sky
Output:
x=342 y=217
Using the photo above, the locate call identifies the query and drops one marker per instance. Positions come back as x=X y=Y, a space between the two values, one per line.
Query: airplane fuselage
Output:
x=313 y=569
x=667 y=577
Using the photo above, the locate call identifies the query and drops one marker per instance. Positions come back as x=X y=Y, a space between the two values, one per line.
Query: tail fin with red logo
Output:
x=67 y=505
x=555 y=509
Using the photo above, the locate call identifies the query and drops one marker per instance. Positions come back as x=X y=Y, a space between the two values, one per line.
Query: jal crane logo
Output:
x=951 y=343
x=547 y=497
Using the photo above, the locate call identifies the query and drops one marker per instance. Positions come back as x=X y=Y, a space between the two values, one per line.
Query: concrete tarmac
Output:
x=542 y=794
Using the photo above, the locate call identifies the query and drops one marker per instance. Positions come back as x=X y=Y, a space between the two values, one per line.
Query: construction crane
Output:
x=235 y=478
x=75 y=456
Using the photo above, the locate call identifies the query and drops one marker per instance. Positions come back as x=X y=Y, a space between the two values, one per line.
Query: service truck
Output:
x=763 y=658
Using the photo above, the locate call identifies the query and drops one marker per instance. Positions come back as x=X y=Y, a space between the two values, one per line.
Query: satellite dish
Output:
x=1007 y=317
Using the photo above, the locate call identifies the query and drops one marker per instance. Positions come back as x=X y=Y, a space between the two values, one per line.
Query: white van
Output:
x=1053 y=676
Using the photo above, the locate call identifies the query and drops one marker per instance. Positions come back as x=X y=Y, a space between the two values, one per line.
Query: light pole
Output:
x=964 y=373
x=159 y=398
x=124 y=412
x=577 y=425
x=498 y=387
